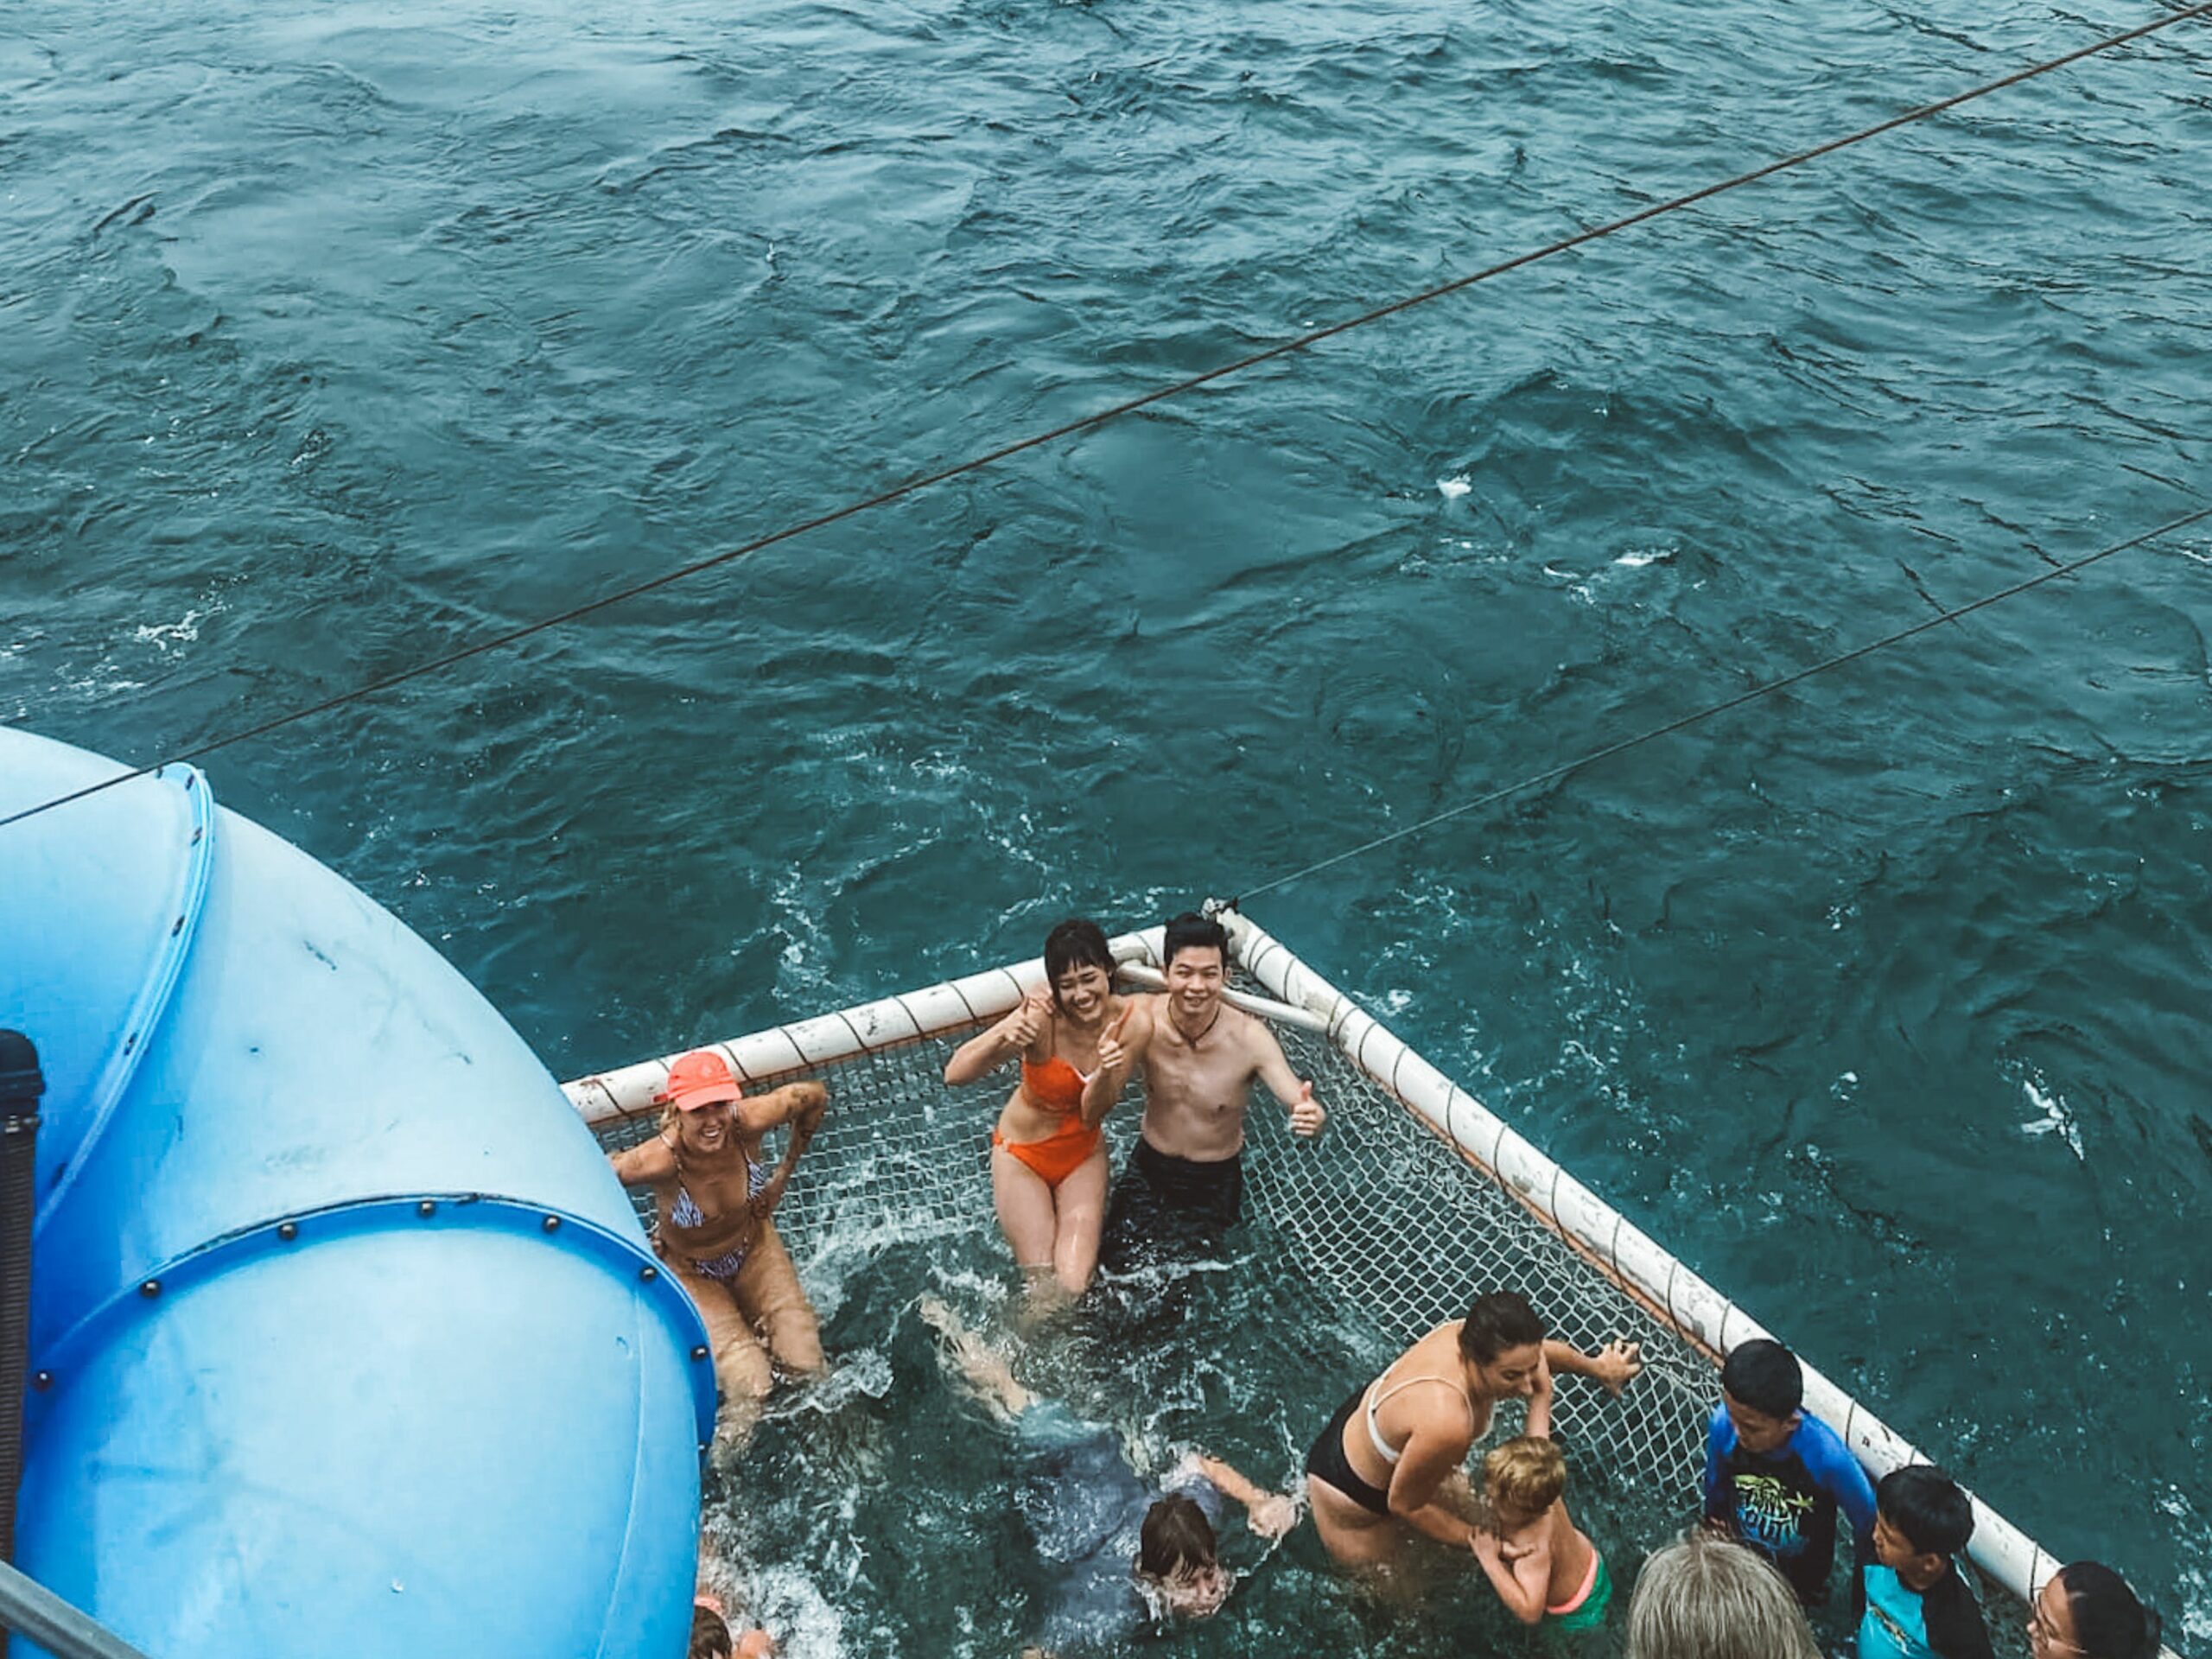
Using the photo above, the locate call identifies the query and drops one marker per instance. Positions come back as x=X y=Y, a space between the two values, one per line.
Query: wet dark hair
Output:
x=1764 y=1375
x=2109 y=1621
x=1191 y=931
x=1077 y=942
x=1177 y=1536
x=1501 y=1320
x=710 y=1637
x=1927 y=1507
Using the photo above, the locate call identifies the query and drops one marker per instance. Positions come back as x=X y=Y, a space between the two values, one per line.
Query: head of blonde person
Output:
x=1522 y=1479
x=702 y=1101
x=1706 y=1597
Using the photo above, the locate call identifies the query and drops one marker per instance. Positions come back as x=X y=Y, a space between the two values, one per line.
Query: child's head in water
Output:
x=710 y=1637
x=1522 y=1479
x=1177 y=1558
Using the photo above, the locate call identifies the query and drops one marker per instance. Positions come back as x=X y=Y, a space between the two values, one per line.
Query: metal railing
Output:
x=28 y=1608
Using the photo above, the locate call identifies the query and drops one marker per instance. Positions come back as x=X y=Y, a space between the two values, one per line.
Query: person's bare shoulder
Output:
x=1253 y=1033
x=648 y=1163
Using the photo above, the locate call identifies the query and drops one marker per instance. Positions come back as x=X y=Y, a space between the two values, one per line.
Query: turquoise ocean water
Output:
x=331 y=338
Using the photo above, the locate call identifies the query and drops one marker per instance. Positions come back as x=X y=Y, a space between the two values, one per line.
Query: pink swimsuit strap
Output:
x=1589 y=1583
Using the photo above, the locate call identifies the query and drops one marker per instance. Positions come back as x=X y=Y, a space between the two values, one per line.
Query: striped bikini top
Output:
x=684 y=1212
x=686 y=1216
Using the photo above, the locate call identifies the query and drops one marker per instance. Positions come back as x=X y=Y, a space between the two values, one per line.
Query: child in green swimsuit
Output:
x=1543 y=1567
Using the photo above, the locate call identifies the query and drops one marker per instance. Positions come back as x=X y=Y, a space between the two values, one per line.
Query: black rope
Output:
x=1085 y=423
x=1566 y=768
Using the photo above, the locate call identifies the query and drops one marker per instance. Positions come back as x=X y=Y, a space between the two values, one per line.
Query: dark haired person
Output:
x=2086 y=1610
x=712 y=1637
x=1115 y=1543
x=1383 y=1462
x=720 y=1626
x=1183 y=1187
x=1776 y=1475
x=1048 y=1154
x=1917 y=1602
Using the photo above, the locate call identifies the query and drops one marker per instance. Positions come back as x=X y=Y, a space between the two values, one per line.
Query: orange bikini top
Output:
x=1055 y=1086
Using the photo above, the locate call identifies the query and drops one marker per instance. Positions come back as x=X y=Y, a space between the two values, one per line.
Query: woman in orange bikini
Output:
x=1048 y=1154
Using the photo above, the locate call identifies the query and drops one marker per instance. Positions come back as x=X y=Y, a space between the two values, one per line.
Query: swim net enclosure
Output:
x=1416 y=1199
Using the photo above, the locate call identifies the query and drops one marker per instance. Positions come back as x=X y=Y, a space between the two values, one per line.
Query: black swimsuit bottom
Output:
x=1327 y=1461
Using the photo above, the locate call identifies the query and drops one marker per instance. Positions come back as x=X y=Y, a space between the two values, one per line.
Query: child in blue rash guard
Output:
x=1775 y=1476
x=1917 y=1604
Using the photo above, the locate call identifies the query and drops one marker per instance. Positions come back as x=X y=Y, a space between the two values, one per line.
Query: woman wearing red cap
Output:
x=714 y=1194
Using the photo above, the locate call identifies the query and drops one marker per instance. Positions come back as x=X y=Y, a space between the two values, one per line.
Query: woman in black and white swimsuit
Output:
x=714 y=1197
x=1386 y=1453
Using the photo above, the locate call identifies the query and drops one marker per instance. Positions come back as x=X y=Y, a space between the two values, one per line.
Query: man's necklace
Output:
x=1194 y=1041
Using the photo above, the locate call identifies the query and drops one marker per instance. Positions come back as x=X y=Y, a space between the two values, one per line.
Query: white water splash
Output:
x=1637 y=557
x=858 y=1373
x=1576 y=585
x=800 y=1618
x=169 y=637
x=798 y=904
x=2195 y=1532
x=2055 y=1119
x=93 y=688
x=1452 y=488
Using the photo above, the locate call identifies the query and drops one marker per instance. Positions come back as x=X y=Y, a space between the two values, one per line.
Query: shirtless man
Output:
x=1183 y=1187
x=714 y=1194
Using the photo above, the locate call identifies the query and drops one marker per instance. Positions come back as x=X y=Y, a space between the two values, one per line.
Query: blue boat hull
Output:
x=341 y=1333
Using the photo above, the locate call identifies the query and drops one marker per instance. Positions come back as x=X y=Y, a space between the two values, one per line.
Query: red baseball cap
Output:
x=699 y=1078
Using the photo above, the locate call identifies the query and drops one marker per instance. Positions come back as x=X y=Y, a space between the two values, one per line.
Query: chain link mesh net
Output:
x=1380 y=1221
x=1380 y=1215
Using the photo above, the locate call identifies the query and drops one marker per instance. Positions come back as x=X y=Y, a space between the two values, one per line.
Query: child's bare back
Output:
x=1540 y=1563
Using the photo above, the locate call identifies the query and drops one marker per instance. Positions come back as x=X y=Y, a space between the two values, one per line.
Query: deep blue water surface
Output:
x=332 y=337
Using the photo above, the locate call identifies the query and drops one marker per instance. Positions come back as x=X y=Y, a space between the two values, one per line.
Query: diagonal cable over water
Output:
x=1565 y=768
x=1116 y=411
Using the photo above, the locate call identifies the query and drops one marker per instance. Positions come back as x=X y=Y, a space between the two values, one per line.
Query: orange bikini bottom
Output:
x=1059 y=1154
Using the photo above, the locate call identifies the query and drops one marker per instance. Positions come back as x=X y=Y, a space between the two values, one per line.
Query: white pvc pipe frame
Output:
x=882 y=1024
x=1607 y=1238
x=1615 y=1245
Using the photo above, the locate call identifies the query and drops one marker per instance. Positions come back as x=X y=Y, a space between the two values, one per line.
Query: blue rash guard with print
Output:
x=1784 y=1504
x=1941 y=1621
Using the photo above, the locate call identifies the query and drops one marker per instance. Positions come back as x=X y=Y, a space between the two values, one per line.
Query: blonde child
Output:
x=1541 y=1565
